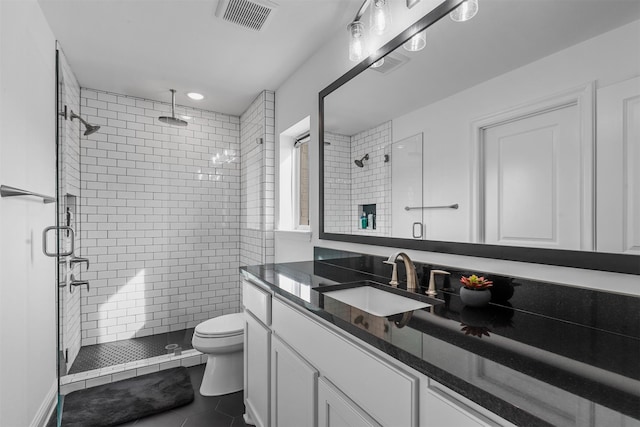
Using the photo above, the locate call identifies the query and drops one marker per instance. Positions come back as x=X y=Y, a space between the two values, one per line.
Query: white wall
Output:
x=27 y=160
x=448 y=150
x=298 y=97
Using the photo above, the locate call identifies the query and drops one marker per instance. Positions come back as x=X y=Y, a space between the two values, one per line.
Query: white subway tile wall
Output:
x=348 y=187
x=338 y=217
x=69 y=185
x=258 y=181
x=371 y=184
x=160 y=214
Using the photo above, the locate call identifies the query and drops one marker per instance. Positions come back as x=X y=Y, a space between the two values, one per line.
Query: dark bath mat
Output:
x=127 y=400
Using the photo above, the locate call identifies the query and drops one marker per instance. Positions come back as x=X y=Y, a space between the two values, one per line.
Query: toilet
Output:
x=222 y=340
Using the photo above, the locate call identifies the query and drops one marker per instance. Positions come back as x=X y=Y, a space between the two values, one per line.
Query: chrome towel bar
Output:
x=454 y=206
x=6 y=191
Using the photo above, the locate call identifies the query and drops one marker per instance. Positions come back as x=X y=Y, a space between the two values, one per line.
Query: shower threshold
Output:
x=108 y=354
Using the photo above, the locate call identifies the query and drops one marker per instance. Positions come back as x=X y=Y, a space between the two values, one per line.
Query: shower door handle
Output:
x=44 y=241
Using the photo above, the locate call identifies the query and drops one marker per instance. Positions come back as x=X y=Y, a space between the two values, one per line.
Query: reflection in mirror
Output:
x=528 y=120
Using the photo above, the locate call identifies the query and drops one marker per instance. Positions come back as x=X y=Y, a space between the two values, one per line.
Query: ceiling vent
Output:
x=392 y=62
x=252 y=14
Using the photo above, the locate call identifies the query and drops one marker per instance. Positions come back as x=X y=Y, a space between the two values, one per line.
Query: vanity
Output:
x=314 y=360
x=512 y=136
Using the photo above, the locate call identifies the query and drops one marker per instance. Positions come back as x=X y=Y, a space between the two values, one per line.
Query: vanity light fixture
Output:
x=379 y=21
x=380 y=17
x=417 y=42
x=465 y=11
x=195 y=96
x=357 y=42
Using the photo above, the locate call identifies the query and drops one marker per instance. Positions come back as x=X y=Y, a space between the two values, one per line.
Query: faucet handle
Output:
x=394 y=274
x=432 y=281
x=78 y=260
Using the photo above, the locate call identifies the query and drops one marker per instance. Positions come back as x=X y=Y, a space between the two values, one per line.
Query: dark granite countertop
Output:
x=574 y=348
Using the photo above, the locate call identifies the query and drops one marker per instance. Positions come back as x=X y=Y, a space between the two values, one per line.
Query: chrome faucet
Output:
x=412 y=276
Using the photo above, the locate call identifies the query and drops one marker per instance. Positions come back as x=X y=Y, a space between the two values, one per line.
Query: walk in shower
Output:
x=162 y=217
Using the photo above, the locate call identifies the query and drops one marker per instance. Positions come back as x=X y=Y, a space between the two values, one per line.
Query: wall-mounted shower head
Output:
x=89 y=127
x=173 y=120
x=360 y=163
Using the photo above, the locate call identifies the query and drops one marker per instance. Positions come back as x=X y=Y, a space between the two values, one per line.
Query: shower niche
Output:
x=368 y=218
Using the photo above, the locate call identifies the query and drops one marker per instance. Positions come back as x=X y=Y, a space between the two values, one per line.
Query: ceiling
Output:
x=144 y=48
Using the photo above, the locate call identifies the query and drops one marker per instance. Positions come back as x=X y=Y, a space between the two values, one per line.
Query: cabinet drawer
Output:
x=257 y=301
x=386 y=392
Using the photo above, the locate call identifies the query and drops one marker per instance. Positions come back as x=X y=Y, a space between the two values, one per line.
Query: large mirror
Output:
x=514 y=135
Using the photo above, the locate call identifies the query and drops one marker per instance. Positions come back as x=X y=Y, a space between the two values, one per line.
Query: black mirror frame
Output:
x=619 y=263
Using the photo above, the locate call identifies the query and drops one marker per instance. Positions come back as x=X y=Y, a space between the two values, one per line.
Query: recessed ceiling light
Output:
x=195 y=96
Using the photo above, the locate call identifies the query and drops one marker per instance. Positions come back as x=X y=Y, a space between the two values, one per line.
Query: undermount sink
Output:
x=375 y=301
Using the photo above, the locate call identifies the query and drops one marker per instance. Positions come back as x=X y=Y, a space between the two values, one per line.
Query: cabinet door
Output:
x=293 y=388
x=257 y=345
x=349 y=366
x=337 y=410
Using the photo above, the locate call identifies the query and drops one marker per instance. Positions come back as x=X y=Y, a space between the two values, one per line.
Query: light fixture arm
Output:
x=362 y=10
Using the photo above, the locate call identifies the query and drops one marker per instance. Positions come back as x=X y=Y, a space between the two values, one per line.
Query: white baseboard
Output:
x=47 y=407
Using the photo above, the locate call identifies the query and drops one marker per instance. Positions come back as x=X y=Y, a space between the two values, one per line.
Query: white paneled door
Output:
x=533 y=181
x=618 y=167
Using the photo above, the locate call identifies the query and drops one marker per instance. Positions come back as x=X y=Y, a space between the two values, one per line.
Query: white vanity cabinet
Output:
x=293 y=387
x=303 y=371
x=385 y=391
x=337 y=410
x=257 y=351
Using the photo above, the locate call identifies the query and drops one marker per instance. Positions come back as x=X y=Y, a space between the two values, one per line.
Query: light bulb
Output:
x=195 y=96
x=465 y=11
x=378 y=63
x=417 y=42
x=357 y=51
x=380 y=17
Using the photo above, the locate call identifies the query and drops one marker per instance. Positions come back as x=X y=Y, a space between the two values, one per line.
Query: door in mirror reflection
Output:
x=533 y=181
x=618 y=166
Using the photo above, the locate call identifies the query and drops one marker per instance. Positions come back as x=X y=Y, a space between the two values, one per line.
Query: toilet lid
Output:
x=222 y=326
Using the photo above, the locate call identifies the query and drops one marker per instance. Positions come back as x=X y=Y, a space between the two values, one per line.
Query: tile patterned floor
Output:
x=219 y=411
x=114 y=353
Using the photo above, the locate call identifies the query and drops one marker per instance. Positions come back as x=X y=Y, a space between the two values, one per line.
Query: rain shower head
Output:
x=172 y=120
x=360 y=163
x=89 y=127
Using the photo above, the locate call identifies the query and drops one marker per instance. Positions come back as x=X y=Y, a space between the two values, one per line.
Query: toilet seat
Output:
x=228 y=325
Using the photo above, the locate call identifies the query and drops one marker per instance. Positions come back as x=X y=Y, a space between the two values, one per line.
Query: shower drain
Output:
x=173 y=348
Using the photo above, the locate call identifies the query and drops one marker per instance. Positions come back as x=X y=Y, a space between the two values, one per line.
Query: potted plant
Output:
x=475 y=290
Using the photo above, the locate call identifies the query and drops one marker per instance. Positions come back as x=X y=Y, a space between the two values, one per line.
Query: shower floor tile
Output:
x=114 y=353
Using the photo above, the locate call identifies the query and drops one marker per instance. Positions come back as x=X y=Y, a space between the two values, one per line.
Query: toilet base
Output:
x=223 y=374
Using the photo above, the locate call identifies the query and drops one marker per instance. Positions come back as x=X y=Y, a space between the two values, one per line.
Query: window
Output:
x=301 y=180
x=293 y=176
